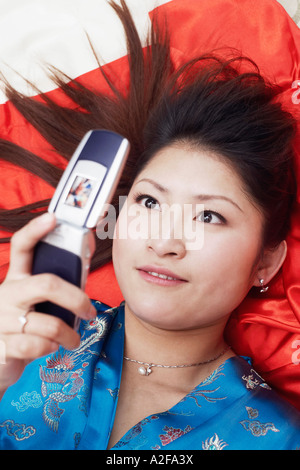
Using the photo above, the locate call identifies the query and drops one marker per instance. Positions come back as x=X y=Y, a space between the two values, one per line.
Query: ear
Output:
x=270 y=263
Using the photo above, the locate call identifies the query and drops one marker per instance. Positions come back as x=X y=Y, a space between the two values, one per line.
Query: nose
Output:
x=170 y=247
x=166 y=238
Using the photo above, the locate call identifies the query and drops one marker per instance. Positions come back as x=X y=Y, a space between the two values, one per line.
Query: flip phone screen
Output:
x=86 y=186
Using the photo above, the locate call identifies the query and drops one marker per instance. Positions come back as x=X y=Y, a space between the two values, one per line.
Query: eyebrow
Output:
x=200 y=197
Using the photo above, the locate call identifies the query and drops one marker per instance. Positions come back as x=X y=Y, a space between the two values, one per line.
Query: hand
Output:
x=20 y=291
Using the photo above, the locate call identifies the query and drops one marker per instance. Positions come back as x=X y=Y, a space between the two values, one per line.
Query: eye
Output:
x=211 y=217
x=148 y=201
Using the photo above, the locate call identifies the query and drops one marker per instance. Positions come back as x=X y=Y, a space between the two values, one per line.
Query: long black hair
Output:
x=211 y=105
x=220 y=104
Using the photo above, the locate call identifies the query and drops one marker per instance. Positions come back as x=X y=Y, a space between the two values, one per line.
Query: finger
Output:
x=52 y=329
x=28 y=347
x=49 y=287
x=45 y=326
x=23 y=243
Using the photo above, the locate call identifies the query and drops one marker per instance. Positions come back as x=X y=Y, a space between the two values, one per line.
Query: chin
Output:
x=158 y=314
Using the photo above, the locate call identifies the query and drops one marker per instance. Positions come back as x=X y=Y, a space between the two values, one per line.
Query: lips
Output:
x=160 y=276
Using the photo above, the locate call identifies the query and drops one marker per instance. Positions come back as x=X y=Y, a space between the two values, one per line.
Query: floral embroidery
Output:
x=135 y=431
x=113 y=393
x=27 y=400
x=257 y=428
x=77 y=437
x=84 y=398
x=265 y=385
x=172 y=434
x=18 y=431
x=252 y=412
x=252 y=383
x=214 y=443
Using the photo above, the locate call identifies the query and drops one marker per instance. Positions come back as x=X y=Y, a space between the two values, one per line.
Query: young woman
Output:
x=210 y=190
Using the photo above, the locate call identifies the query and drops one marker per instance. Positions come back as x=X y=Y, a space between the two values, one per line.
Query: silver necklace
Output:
x=149 y=365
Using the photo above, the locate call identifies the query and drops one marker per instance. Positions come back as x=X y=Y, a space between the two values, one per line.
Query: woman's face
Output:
x=187 y=241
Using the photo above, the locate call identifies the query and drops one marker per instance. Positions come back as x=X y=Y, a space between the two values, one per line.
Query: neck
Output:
x=147 y=343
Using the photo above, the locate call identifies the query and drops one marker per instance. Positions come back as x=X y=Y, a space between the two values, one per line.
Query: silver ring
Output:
x=23 y=320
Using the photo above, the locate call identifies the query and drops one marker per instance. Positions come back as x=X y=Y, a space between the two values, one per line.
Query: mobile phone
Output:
x=85 y=188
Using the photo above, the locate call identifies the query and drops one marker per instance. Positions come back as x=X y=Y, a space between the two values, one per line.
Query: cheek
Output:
x=124 y=249
x=232 y=262
x=120 y=263
x=134 y=223
x=120 y=247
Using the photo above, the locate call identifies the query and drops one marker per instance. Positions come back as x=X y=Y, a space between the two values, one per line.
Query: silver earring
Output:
x=262 y=287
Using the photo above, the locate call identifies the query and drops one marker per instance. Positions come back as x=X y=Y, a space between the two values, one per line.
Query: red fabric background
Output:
x=266 y=328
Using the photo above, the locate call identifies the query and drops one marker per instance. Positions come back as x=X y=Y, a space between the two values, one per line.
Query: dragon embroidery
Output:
x=62 y=376
x=199 y=393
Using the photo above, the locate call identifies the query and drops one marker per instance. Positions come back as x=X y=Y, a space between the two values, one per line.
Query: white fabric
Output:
x=35 y=32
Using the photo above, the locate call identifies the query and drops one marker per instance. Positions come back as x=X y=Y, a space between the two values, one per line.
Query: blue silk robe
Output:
x=68 y=401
